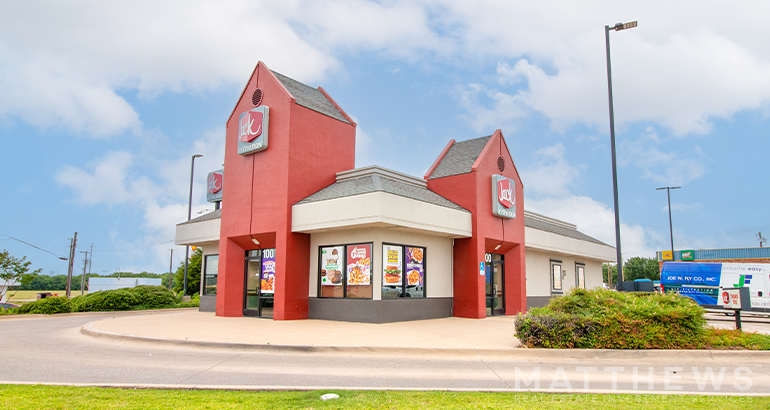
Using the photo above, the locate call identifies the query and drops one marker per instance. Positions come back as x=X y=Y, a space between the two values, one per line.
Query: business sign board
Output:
x=667 y=255
x=253 y=130
x=214 y=186
x=503 y=197
x=731 y=298
x=688 y=255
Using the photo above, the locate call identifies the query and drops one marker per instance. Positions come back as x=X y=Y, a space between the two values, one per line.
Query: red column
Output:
x=515 y=281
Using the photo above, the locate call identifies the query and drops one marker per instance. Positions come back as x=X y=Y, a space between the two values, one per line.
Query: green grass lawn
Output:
x=31 y=295
x=58 y=397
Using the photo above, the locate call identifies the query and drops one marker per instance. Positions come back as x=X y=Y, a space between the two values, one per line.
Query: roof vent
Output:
x=500 y=163
x=256 y=98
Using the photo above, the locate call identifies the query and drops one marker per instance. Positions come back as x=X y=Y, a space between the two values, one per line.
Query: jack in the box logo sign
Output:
x=503 y=197
x=214 y=186
x=252 y=130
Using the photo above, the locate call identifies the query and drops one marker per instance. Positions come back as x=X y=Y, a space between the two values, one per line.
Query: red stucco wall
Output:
x=305 y=151
x=473 y=191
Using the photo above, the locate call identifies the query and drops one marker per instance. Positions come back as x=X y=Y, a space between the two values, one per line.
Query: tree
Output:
x=641 y=268
x=193 y=274
x=634 y=268
x=15 y=271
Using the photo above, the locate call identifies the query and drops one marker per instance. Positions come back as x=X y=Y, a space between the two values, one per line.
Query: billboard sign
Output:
x=214 y=186
x=253 y=130
x=503 y=197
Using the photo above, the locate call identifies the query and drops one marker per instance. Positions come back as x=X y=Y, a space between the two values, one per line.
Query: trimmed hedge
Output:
x=136 y=298
x=47 y=306
x=151 y=297
x=603 y=319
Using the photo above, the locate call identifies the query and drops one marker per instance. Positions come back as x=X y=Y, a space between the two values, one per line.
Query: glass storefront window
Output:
x=345 y=271
x=211 y=265
x=403 y=271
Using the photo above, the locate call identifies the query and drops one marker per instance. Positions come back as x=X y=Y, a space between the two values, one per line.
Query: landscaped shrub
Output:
x=47 y=306
x=614 y=320
x=118 y=299
x=151 y=297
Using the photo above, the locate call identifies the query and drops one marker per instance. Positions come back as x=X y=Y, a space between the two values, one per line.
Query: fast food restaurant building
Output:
x=303 y=234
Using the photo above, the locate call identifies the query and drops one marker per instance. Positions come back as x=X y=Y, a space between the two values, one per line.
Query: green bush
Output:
x=602 y=319
x=47 y=306
x=153 y=297
x=108 y=300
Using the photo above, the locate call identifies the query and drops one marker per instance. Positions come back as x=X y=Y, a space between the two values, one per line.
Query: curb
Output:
x=520 y=352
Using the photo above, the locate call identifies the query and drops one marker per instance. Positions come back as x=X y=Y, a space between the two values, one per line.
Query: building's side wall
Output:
x=539 y=274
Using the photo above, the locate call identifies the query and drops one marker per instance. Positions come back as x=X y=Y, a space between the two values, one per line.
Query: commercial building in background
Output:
x=302 y=234
x=728 y=255
x=97 y=284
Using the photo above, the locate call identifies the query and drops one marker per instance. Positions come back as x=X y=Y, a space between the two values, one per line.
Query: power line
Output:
x=36 y=247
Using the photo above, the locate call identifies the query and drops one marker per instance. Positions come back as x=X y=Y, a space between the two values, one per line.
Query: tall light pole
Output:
x=189 y=216
x=616 y=27
x=670 y=225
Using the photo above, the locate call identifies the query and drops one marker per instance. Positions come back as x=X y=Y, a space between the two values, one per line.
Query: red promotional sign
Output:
x=249 y=120
x=505 y=193
x=214 y=182
x=726 y=297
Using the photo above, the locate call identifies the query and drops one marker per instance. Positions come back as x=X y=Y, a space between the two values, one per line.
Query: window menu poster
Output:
x=331 y=265
x=415 y=266
x=359 y=264
x=267 y=286
x=391 y=267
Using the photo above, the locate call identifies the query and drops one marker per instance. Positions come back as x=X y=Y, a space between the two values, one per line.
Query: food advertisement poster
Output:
x=415 y=266
x=331 y=265
x=268 y=272
x=359 y=264
x=391 y=267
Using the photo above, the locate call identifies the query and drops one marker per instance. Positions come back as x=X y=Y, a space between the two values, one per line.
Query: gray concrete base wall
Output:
x=208 y=304
x=379 y=311
x=537 y=301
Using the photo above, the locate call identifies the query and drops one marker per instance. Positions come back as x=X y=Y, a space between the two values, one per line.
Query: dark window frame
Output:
x=579 y=265
x=554 y=262
x=205 y=271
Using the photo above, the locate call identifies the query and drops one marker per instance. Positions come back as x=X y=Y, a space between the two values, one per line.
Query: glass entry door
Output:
x=259 y=284
x=494 y=281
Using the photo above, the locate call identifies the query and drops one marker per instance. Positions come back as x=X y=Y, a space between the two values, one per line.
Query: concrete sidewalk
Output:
x=448 y=334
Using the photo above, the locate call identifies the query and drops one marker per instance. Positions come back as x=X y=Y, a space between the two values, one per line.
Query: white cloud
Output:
x=158 y=186
x=667 y=168
x=502 y=108
x=551 y=174
x=547 y=183
x=64 y=65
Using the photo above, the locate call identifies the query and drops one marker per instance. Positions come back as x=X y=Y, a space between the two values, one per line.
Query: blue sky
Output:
x=103 y=104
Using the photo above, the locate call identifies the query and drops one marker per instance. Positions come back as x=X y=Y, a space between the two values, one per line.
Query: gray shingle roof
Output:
x=311 y=98
x=379 y=182
x=460 y=158
x=540 y=223
x=205 y=217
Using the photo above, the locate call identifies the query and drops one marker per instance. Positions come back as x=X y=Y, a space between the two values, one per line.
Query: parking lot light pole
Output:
x=616 y=27
x=189 y=216
x=670 y=225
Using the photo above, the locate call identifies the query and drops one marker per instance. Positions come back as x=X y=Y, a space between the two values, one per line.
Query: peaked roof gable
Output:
x=459 y=158
x=315 y=99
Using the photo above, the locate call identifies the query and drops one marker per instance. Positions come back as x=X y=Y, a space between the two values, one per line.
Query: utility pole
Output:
x=170 y=267
x=73 y=246
x=83 y=278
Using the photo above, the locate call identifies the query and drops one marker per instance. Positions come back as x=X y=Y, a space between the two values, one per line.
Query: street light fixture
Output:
x=616 y=27
x=670 y=225
x=189 y=216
